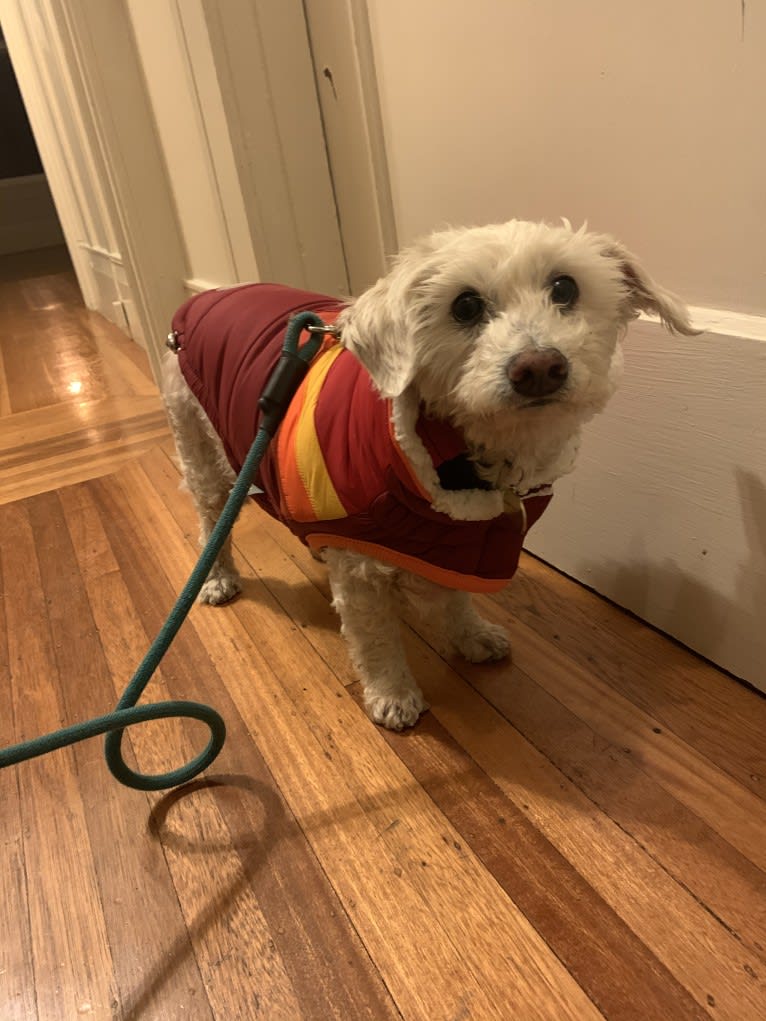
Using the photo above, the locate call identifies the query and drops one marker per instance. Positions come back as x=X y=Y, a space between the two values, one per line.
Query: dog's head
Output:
x=507 y=322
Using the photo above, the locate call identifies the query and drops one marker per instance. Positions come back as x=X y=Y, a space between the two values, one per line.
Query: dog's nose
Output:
x=538 y=372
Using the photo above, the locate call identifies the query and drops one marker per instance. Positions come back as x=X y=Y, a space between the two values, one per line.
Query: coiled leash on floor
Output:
x=282 y=385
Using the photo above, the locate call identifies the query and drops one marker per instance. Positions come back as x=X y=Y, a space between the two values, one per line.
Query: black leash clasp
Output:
x=291 y=369
x=282 y=386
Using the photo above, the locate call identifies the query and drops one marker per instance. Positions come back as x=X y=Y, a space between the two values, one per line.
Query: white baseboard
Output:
x=113 y=295
x=195 y=285
x=723 y=322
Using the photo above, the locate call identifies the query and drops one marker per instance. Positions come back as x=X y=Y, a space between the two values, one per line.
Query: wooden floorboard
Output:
x=608 y=960
x=722 y=721
x=77 y=398
x=276 y=896
x=151 y=924
x=17 y=989
x=70 y=964
x=577 y=833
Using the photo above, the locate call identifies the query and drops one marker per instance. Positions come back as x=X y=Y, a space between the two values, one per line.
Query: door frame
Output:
x=346 y=82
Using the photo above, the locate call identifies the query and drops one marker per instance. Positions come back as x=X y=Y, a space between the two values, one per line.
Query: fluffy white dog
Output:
x=491 y=345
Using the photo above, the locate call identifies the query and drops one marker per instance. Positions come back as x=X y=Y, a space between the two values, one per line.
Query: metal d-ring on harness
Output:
x=277 y=394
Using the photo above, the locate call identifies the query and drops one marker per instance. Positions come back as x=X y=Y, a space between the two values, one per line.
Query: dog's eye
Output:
x=468 y=308
x=564 y=291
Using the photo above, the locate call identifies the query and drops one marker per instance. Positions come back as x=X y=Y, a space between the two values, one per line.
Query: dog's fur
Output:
x=403 y=331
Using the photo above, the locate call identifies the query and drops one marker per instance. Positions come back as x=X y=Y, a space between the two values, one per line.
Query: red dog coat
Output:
x=335 y=473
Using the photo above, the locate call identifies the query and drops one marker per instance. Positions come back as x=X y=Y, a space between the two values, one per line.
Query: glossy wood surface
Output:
x=76 y=395
x=575 y=834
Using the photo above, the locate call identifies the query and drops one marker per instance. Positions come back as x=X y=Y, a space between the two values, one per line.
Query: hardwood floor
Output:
x=76 y=396
x=577 y=834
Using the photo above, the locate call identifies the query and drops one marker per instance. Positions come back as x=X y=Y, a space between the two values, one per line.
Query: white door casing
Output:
x=344 y=71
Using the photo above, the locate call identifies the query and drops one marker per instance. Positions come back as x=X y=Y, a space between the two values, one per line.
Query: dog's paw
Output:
x=484 y=644
x=395 y=712
x=220 y=589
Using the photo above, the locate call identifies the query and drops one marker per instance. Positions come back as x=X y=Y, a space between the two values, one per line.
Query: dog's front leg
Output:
x=365 y=596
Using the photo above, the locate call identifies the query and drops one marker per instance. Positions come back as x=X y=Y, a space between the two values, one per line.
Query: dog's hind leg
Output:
x=207 y=474
x=366 y=597
x=453 y=621
x=476 y=639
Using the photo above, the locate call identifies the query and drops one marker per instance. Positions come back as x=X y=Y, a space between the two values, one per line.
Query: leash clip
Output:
x=327 y=329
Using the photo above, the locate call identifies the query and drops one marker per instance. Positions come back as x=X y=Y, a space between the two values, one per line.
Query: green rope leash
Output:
x=284 y=381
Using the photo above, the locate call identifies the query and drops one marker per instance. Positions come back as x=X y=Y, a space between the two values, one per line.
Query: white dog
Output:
x=475 y=362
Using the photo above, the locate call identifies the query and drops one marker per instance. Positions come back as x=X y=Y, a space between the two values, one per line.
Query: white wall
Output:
x=646 y=121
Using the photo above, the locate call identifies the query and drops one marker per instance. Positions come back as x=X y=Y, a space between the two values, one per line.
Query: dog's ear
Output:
x=644 y=295
x=375 y=331
x=379 y=327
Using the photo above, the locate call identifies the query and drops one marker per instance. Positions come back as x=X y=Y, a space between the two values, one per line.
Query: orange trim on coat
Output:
x=440 y=575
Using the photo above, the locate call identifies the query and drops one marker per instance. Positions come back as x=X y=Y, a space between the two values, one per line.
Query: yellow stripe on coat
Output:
x=309 y=461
